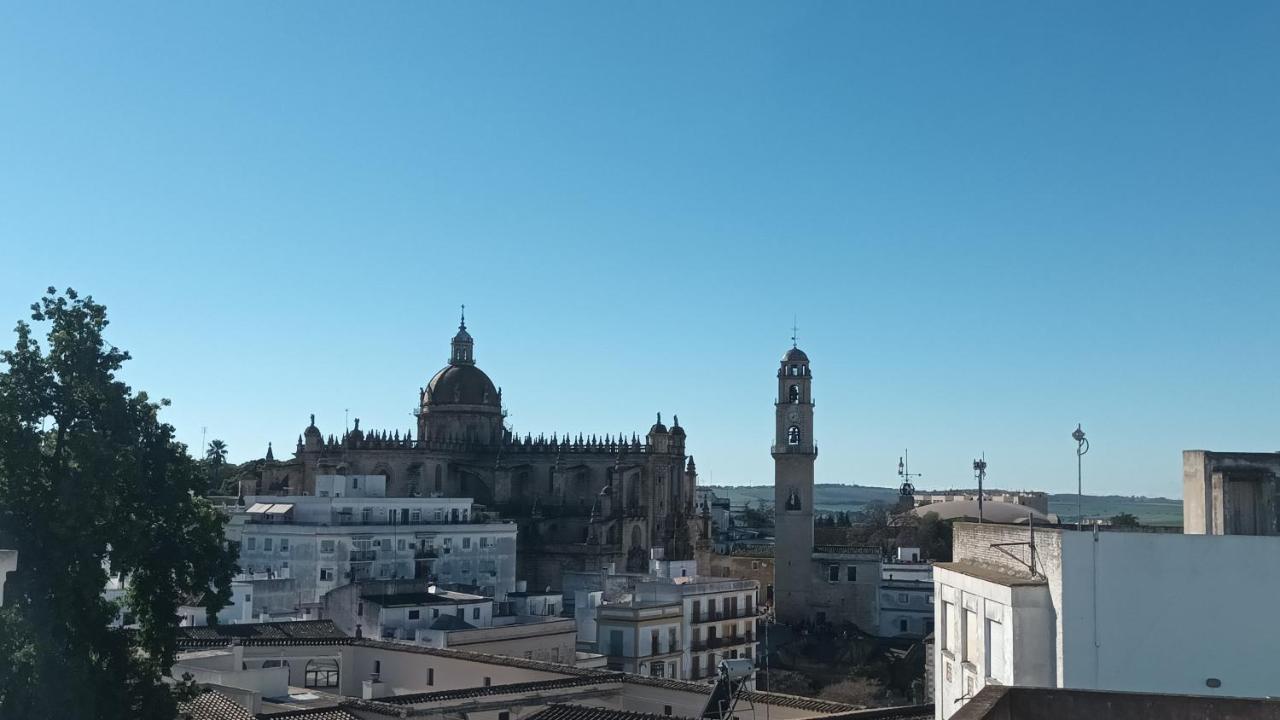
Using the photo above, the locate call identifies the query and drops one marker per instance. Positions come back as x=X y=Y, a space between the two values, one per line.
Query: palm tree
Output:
x=216 y=456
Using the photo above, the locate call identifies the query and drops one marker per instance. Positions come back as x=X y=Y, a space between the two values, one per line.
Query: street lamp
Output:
x=980 y=472
x=1082 y=447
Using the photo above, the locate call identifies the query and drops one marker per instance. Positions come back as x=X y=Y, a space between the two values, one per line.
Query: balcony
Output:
x=364 y=555
x=425 y=554
x=721 y=642
x=716 y=616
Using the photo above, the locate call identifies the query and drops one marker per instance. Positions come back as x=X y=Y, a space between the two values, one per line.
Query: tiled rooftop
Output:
x=304 y=632
x=212 y=705
x=583 y=712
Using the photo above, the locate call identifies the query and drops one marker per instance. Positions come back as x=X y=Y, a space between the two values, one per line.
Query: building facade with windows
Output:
x=581 y=501
x=311 y=545
x=1104 y=610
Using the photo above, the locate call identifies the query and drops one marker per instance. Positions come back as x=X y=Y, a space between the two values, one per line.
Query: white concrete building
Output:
x=1105 y=610
x=906 y=596
x=309 y=545
x=674 y=624
x=8 y=563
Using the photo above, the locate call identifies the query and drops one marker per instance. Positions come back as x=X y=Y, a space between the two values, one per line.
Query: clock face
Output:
x=794 y=415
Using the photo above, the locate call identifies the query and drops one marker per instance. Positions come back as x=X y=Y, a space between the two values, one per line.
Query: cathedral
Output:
x=581 y=502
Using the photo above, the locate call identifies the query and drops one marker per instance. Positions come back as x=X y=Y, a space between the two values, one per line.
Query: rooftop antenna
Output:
x=904 y=472
x=980 y=472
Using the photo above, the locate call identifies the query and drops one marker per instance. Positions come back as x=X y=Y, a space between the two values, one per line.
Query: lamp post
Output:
x=980 y=471
x=1082 y=447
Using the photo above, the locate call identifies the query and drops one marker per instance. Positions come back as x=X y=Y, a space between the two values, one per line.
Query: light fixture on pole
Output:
x=1082 y=447
x=980 y=472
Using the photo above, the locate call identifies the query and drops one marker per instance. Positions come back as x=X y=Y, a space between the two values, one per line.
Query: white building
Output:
x=671 y=623
x=8 y=563
x=906 y=596
x=305 y=546
x=1104 y=610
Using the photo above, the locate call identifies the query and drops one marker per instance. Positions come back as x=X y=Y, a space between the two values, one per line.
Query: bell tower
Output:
x=793 y=455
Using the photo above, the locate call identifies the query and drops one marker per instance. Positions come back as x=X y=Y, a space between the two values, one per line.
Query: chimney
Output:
x=373 y=688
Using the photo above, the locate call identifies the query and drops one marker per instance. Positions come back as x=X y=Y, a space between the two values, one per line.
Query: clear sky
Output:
x=993 y=220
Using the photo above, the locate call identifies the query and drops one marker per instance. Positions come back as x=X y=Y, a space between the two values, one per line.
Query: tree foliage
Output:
x=862 y=691
x=93 y=483
x=1125 y=519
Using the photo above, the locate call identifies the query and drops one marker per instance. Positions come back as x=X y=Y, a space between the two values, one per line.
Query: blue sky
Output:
x=993 y=220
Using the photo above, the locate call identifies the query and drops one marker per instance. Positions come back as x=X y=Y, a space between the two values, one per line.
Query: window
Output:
x=488 y=681
x=326 y=574
x=948 y=622
x=366 y=514
x=475 y=613
x=902 y=598
x=486 y=542
x=377 y=667
x=466 y=543
x=435 y=613
x=615 y=642
x=253 y=543
x=666 y=710
x=359 y=609
x=400 y=544
x=902 y=625
x=793 y=395
x=284 y=544
x=355 y=483
x=833 y=573
x=248 y=598
x=415 y=516
x=448 y=542
x=972 y=631
x=431 y=676
x=994 y=651
x=321 y=673
x=504 y=715
x=415 y=614
x=657 y=669
x=793 y=435
x=851 y=573
x=439 y=475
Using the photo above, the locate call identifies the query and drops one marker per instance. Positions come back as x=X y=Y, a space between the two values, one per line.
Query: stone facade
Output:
x=812 y=584
x=581 y=502
x=1230 y=493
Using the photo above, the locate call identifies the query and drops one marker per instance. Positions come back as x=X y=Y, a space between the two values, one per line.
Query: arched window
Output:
x=439 y=479
x=793 y=500
x=793 y=435
x=321 y=673
x=637 y=538
x=793 y=395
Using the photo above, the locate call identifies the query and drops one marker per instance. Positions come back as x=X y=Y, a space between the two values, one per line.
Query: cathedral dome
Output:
x=462 y=385
x=795 y=354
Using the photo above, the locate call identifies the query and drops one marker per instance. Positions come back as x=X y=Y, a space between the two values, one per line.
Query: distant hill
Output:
x=834 y=497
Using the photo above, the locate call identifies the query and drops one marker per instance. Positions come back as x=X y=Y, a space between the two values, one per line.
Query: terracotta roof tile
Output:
x=212 y=705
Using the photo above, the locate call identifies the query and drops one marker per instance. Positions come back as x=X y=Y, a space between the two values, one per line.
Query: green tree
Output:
x=216 y=456
x=1125 y=519
x=91 y=483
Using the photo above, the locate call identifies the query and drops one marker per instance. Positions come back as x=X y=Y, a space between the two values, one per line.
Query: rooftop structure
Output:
x=1104 y=610
x=1230 y=493
x=996 y=702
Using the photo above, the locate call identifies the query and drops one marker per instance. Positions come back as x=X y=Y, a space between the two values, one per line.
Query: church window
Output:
x=793 y=500
x=793 y=395
x=793 y=435
x=795 y=370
